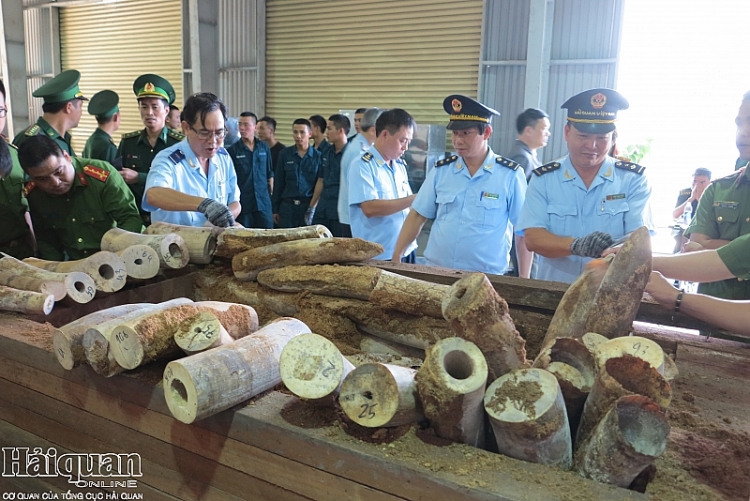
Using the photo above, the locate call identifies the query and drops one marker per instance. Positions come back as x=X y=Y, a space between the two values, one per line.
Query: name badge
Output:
x=491 y=196
x=727 y=205
x=618 y=196
x=241 y=156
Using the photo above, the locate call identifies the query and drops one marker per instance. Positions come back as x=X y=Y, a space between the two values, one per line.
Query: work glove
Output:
x=592 y=245
x=217 y=213
x=309 y=213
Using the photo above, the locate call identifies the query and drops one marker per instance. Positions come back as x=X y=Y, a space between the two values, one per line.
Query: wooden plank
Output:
x=15 y=436
x=275 y=469
x=171 y=469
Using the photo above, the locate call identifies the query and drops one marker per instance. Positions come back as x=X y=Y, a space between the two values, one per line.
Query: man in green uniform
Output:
x=137 y=149
x=16 y=237
x=73 y=201
x=62 y=108
x=724 y=213
x=100 y=146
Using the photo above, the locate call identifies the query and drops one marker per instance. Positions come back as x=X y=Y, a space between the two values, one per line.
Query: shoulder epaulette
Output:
x=686 y=191
x=177 y=156
x=28 y=188
x=446 y=161
x=630 y=166
x=544 y=169
x=96 y=172
x=732 y=176
x=506 y=162
x=367 y=157
x=176 y=135
x=33 y=130
x=135 y=133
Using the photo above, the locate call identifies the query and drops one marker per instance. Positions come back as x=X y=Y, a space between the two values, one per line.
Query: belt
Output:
x=296 y=201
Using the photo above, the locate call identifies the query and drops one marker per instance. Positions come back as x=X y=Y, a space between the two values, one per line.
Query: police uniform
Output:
x=734 y=255
x=99 y=145
x=177 y=168
x=63 y=87
x=15 y=235
x=371 y=178
x=724 y=213
x=135 y=151
x=326 y=213
x=72 y=225
x=357 y=147
x=293 y=185
x=254 y=169
x=616 y=201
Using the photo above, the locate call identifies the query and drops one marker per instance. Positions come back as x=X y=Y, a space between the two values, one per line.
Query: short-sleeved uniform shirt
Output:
x=371 y=178
x=724 y=213
x=356 y=147
x=254 y=169
x=557 y=200
x=100 y=146
x=734 y=255
x=178 y=168
x=138 y=154
x=295 y=176
x=473 y=215
x=14 y=231
x=43 y=127
x=73 y=224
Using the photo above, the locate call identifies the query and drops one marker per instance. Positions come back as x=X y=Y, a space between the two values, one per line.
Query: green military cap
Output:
x=150 y=85
x=64 y=87
x=103 y=104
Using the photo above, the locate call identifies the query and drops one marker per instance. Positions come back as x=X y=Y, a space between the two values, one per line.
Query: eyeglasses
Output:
x=205 y=135
x=3 y=112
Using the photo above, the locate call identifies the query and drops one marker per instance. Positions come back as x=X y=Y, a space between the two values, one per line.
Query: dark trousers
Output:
x=410 y=258
x=331 y=224
x=292 y=212
x=256 y=219
x=346 y=230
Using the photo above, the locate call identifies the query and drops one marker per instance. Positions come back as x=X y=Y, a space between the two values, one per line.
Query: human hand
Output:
x=661 y=290
x=309 y=213
x=129 y=175
x=217 y=213
x=691 y=247
x=592 y=245
x=276 y=219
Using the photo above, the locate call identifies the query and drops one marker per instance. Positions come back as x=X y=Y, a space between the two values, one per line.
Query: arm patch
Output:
x=505 y=162
x=544 y=169
x=446 y=161
x=630 y=166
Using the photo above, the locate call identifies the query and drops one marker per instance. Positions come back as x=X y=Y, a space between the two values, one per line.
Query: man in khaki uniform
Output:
x=73 y=201
x=138 y=148
x=62 y=109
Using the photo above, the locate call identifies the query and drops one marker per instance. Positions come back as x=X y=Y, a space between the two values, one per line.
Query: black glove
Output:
x=309 y=213
x=592 y=245
x=216 y=213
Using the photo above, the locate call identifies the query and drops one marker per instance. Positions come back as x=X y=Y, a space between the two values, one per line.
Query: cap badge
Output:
x=598 y=101
x=149 y=87
x=456 y=104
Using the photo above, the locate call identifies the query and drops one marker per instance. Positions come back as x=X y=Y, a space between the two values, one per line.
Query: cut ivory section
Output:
x=312 y=367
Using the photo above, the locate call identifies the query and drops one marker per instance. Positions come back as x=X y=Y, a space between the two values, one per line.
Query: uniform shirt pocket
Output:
x=614 y=208
x=446 y=206
x=561 y=218
x=490 y=211
x=727 y=221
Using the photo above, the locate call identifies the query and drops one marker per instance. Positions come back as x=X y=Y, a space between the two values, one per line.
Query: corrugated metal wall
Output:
x=112 y=44
x=585 y=45
x=504 y=66
x=241 y=31
x=42 y=57
x=323 y=56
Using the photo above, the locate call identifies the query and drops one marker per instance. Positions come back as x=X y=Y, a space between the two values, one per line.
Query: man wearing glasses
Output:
x=61 y=111
x=194 y=181
x=138 y=148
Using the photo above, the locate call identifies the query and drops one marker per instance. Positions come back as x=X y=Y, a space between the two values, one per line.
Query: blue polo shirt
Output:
x=473 y=215
x=371 y=178
x=177 y=167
